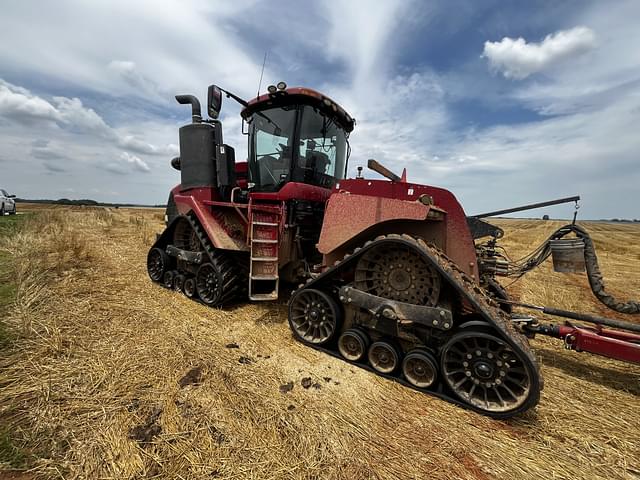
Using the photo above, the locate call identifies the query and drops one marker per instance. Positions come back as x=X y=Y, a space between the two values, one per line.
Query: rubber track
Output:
x=235 y=274
x=467 y=288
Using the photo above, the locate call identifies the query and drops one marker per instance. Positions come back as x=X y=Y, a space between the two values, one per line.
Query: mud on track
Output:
x=114 y=377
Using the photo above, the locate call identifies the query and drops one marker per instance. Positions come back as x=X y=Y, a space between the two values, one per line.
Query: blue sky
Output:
x=503 y=103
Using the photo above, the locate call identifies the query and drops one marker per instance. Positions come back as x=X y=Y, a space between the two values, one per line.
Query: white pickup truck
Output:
x=7 y=204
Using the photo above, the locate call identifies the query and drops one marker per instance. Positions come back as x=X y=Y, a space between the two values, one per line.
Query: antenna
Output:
x=264 y=61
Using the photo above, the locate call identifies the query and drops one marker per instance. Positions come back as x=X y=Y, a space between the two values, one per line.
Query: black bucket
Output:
x=568 y=255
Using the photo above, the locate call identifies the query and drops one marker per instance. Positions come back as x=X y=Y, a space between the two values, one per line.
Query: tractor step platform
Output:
x=264 y=277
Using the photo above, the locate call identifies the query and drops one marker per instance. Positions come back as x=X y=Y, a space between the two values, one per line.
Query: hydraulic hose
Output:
x=596 y=281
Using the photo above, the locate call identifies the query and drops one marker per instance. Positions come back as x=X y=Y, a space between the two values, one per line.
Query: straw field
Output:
x=105 y=375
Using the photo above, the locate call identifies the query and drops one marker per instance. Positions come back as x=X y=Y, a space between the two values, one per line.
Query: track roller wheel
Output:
x=353 y=344
x=314 y=316
x=167 y=279
x=384 y=357
x=178 y=282
x=484 y=371
x=420 y=368
x=189 y=287
x=157 y=264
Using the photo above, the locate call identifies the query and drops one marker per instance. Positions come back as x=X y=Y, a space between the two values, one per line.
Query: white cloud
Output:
x=135 y=162
x=129 y=73
x=126 y=163
x=402 y=125
x=171 y=43
x=517 y=59
x=73 y=113
x=132 y=143
x=20 y=104
x=361 y=36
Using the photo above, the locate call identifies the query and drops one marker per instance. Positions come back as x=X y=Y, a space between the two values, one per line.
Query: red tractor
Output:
x=388 y=271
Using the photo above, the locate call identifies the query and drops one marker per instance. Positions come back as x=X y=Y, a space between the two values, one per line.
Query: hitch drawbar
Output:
x=621 y=344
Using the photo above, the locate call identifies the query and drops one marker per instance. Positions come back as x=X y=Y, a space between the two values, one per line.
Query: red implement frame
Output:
x=618 y=344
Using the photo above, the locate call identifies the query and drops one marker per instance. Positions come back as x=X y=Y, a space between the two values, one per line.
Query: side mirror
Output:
x=214 y=101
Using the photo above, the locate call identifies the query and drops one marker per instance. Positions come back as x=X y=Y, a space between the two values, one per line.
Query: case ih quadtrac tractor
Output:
x=389 y=275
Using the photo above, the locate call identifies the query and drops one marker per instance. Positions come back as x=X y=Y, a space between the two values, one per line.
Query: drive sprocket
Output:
x=398 y=273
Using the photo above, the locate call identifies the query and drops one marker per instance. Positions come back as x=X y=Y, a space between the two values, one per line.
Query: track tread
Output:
x=234 y=275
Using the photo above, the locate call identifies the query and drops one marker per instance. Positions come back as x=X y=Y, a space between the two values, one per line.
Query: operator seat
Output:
x=314 y=161
x=317 y=162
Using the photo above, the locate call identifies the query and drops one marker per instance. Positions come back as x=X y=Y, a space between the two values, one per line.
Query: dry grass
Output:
x=102 y=351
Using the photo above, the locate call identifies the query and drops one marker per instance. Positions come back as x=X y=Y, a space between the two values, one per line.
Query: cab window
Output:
x=273 y=132
x=322 y=149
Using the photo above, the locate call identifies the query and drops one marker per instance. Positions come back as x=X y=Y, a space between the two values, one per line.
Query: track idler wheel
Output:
x=209 y=284
x=189 y=287
x=384 y=357
x=353 y=344
x=314 y=316
x=485 y=372
x=157 y=264
x=420 y=368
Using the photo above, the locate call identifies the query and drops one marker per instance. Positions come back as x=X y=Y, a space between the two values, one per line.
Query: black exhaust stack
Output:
x=198 y=142
x=196 y=112
x=205 y=161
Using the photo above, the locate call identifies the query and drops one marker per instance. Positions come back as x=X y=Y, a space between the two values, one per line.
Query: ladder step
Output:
x=260 y=240
x=264 y=296
x=265 y=224
x=264 y=259
x=264 y=277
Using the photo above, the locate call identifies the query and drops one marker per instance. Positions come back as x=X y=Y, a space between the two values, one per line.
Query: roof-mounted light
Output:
x=281 y=85
x=272 y=89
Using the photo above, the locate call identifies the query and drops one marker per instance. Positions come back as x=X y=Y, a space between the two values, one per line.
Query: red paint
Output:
x=459 y=244
x=617 y=344
x=241 y=168
x=294 y=191
x=219 y=232
x=353 y=206
x=347 y=215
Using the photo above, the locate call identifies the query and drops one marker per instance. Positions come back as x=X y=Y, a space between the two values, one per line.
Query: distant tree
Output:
x=545 y=217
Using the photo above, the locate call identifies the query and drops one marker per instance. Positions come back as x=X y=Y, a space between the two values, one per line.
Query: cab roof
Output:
x=304 y=96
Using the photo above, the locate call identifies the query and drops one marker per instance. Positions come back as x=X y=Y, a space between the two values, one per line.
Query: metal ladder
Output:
x=263 y=272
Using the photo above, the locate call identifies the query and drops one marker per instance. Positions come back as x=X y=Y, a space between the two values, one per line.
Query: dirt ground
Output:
x=110 y=376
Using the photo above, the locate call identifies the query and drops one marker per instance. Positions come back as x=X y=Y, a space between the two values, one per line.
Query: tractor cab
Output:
x=296 y=135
